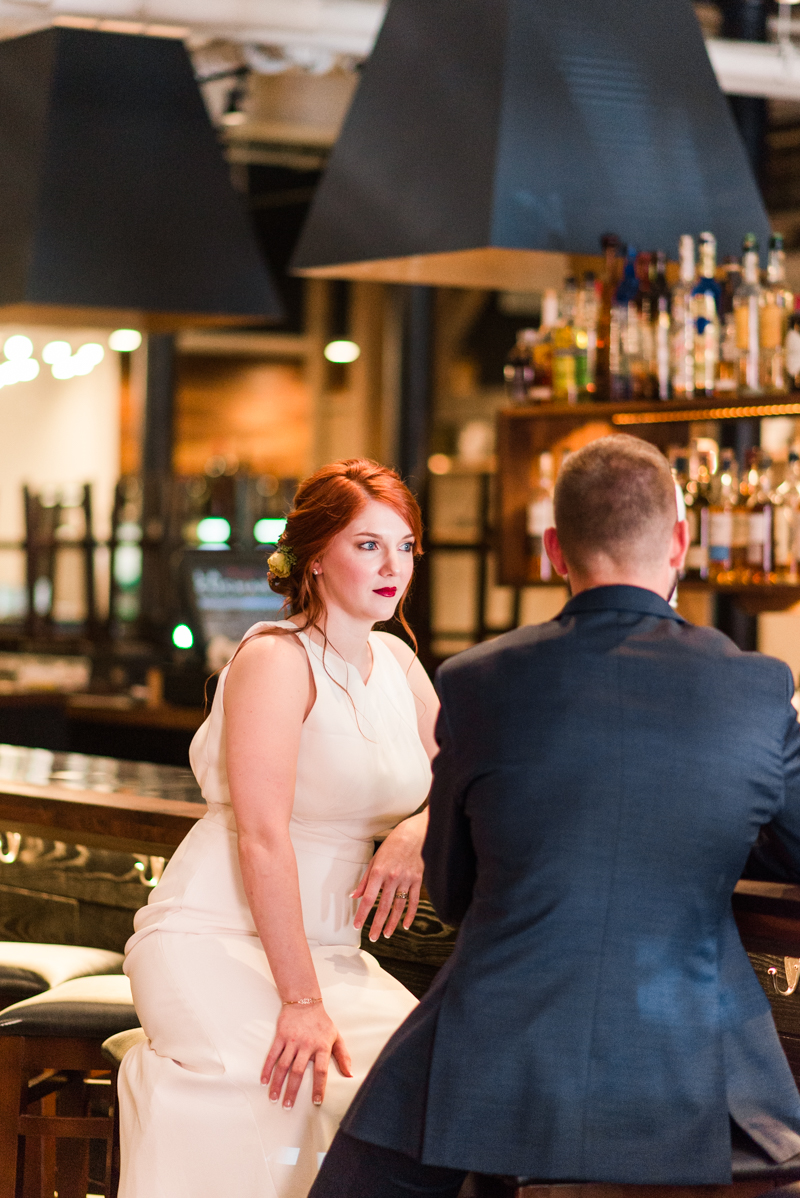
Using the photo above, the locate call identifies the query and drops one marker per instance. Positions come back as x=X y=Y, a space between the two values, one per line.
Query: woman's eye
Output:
x=408 y=547
x=368 y=545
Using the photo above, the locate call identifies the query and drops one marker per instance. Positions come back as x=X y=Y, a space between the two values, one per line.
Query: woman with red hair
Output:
x=246 y=965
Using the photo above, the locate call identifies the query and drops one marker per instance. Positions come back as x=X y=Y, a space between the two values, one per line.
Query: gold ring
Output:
x=401 y=894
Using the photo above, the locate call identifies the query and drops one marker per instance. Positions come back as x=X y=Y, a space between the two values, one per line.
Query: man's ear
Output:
x=679 y=544
x=552 y=547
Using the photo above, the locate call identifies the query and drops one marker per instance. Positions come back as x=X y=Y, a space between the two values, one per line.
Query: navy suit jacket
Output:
x=600 y=781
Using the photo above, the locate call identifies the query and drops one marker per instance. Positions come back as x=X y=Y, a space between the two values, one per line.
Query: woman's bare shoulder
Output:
x=279 y=655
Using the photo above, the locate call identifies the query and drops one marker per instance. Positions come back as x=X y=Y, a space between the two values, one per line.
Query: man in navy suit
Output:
x=600 y=782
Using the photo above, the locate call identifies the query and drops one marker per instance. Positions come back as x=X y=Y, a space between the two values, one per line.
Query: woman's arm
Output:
x=397 y=865
x=268 y=693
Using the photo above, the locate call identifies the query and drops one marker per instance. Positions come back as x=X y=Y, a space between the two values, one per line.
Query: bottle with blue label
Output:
x=705 y=310
x=721 y=517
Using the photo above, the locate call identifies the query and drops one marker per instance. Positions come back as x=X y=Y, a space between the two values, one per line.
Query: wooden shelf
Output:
x=672 y=411
x=523 y=433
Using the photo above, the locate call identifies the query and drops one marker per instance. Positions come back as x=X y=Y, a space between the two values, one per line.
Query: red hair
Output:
x=326 y=503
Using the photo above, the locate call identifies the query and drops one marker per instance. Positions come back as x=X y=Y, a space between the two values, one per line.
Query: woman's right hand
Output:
x=303 y=1032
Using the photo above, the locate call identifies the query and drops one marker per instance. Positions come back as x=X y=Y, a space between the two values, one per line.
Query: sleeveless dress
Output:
x=195 y=1122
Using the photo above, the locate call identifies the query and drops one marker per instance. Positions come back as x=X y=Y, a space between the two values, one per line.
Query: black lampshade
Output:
x=487 y=126
x=115 y=200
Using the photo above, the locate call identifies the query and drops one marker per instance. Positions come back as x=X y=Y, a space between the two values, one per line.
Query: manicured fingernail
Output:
x=263 y=1081
x=273 y=1097
x=373 y=938
x=287 y=1106
x=352 y=894
x=387 y=934
x=357 y=926
x=317 y=1100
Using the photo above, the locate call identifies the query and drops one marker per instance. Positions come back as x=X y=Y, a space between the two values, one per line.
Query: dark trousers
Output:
x=355 y=1169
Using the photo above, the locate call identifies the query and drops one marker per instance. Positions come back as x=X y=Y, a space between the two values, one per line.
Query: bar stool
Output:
x=29 y=969
x=51 y=1073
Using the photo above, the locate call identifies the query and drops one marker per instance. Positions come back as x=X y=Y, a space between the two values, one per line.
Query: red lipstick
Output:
x=387 y=592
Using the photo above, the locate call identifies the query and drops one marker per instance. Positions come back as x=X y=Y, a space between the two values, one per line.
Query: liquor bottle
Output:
x=728 y=373
x=586 y=317
x=624 y=350
x=777 y=305
x=697 y=497
x=611 y=245
x=682 y=326
x=563 y=341
x=539 y=518
x=641 y=385
x=542 y=386
x=705 y=310
x=747 y=310
x=786 y=524
x=518 y=371
x=759 y=507
x=724 y=498
x=660 y=321
x=793 y=350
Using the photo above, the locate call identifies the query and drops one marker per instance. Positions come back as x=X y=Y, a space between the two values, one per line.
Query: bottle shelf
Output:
x=523 y=433
x=753 y=597
x=671 y=411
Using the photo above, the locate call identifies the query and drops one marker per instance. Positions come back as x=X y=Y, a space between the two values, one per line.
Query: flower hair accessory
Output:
x=282 y=561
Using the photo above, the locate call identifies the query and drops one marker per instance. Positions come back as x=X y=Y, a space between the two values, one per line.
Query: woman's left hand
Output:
x=396 y=871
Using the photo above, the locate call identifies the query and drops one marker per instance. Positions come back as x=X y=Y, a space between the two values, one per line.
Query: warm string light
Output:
x=19 y=366
x=673 y=417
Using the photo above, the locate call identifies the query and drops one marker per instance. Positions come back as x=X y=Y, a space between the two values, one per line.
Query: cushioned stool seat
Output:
x=84 y=1008
x=29 y=969
x=57 y=1090
x=115 y=1047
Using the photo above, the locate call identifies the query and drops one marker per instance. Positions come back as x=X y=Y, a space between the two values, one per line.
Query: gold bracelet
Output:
x=299 y=1002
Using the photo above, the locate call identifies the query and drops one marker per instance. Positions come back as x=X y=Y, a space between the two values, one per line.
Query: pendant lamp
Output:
x=490 y=139
x=116 y=205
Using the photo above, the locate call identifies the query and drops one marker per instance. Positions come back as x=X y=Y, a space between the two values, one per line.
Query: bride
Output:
x=246 y=969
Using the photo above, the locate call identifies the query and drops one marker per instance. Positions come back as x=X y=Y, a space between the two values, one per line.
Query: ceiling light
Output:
x=341 y=351
x=213 y=530
x=268 y=532
x=125 y=341
x=18 y=348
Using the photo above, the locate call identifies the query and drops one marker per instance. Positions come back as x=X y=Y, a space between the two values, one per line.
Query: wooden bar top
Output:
x=129 y=806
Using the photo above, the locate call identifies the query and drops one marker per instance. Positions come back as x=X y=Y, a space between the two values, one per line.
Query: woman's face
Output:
x=368 y=565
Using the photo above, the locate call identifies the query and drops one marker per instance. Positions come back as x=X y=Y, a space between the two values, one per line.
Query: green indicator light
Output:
x=182 y=636
x=267 y=532
x=213 y=530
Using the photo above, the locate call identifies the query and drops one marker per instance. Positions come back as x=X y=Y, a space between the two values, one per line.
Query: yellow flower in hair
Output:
x=282 y=561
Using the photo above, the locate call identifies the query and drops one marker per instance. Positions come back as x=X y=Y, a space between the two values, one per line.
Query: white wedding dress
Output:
x=195 y=1121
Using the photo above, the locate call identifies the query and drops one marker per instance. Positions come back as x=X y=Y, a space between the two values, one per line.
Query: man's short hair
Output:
x=615 y=496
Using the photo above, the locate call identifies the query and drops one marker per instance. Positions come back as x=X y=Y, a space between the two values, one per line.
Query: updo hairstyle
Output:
x=325 y=503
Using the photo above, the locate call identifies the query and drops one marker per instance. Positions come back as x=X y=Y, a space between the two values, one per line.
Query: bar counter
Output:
x=123 y=806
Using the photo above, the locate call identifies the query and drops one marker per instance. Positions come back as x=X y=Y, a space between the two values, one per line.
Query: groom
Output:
x=600 y=781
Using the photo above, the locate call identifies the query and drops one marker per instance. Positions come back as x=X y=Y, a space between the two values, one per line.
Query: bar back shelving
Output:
x=523 y=433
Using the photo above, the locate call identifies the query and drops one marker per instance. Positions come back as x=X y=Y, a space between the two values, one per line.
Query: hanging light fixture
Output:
x=119 y=210
x=491 y=139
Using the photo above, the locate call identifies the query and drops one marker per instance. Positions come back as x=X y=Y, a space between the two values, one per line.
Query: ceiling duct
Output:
x=115 y=201
x=487 y=133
